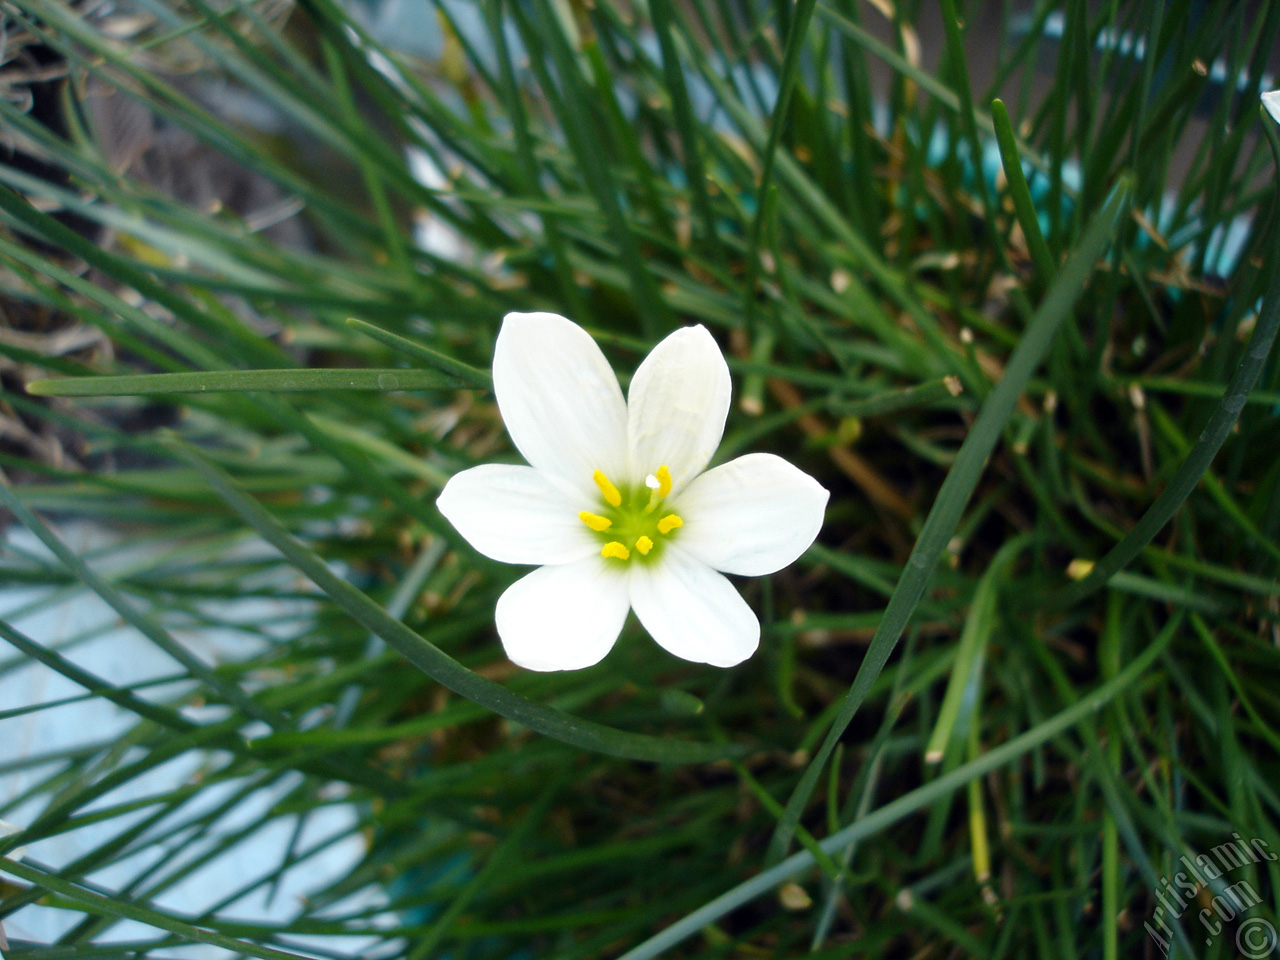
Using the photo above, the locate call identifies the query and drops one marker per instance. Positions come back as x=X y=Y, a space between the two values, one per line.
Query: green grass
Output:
x=1029 y=665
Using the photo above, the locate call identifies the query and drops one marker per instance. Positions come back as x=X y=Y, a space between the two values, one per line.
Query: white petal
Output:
x=677 y=405
x=565 y=617
x=692 y=611
x=560 y=399
x=517 y=515
x=1271 y=101
x=750 y=516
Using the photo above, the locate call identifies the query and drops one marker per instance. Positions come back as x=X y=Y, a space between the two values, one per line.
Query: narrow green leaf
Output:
x=1020 y=192
x=436 y=663
x=569 y=93
x=971 y=651
x=777 y=123
x=691 y=132
x=944 y=517
x=226 y=381
x=463 y=372
x=506 y=854
x=115 y=906
x=918 y=799
x=1207 y=444
x=955 y=50
x=131 y=614
x=891 y=401
x=95 y=685
x=1199 y=388
x=381 y=451
x=1215 y=649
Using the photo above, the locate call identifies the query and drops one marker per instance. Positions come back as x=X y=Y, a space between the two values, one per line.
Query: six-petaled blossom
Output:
x=615 y=507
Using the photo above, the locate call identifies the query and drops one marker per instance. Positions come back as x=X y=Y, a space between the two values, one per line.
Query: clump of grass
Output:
x=1024 y=341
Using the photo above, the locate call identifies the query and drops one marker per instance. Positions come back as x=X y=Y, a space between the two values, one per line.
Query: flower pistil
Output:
x=632 y=521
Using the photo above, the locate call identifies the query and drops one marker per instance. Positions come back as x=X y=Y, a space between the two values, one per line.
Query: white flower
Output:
x=615 y=506
x=1271 y=101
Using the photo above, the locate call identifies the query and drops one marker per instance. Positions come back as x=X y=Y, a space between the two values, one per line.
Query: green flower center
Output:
x=633 y=522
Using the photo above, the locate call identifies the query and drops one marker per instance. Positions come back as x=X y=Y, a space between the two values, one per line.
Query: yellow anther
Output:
x=615 y=549
x=595 y=521
x=644 y=545
x=669 y=523
x=664 y=480
x=610 y=493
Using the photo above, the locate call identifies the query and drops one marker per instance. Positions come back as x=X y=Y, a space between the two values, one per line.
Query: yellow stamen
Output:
x=615 y=549
x=664 y=480
x=644 y=545
x=669 y=523
x=610 y=493
x=595 y=521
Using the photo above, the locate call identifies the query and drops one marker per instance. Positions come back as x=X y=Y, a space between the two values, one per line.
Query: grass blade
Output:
x=463 y=372
x=239 y=381
x=1207 y=444
x=1020 y=192
x=437 y=664
x=918 y=799
x=943 y=518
